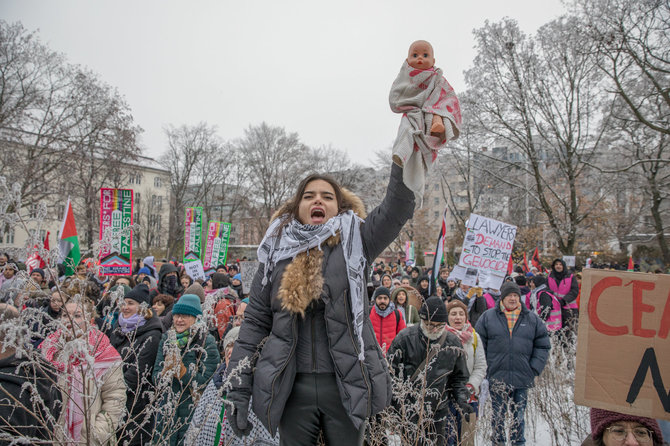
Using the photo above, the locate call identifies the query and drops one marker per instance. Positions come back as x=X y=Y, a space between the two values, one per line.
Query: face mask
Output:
x=171 y=282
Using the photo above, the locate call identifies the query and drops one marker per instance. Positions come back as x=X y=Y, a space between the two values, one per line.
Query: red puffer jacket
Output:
x=386 y=328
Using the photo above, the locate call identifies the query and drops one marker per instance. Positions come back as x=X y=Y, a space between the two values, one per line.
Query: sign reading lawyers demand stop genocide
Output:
x=623 y=350
x=487 y=248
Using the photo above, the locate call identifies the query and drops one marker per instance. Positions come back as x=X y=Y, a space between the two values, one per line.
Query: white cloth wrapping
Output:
x=296 y=238
x=418 y=95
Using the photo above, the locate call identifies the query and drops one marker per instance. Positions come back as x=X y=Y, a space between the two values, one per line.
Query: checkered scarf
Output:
x=296 y=238
x=511 y=316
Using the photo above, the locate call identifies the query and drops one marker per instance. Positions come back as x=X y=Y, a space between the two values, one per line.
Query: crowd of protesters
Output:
x=158 y=338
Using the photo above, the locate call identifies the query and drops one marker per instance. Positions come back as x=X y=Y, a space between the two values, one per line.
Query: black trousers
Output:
x=315 y=406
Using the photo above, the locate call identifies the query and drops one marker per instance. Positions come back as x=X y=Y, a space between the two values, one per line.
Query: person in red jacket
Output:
x=386 y=319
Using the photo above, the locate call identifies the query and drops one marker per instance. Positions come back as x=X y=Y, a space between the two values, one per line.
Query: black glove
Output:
x=466 y=411
x=239 y=420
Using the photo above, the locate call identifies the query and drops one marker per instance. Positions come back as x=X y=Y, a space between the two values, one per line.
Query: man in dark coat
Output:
x=138 y=349
x=446 y=371
x=21 y=415
x=168 y=281
x=516 y=343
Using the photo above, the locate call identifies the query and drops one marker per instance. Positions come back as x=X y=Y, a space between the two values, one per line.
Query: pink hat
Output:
x=600 y=419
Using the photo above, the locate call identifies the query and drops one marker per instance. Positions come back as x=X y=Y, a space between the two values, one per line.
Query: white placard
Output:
x=569 y=261
x=195 y=270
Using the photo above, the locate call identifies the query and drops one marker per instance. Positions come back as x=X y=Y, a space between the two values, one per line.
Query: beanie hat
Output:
x=238 y=276
x=601 y=419
x=539 y=280
x=126 y=289
x=139 y=294
x=433 y=310
x=40 y=271
x=188 y=304
x=381 y=291
x=144 y=270
x=231 y=336
x=196 y=289
x=219 y=280
x=509 y=288
x=457 y=304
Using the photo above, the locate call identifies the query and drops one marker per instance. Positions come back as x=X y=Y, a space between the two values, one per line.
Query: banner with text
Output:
x=623 y=363
x=218 y=236
x=193 y=234
x=116 y=236
x=487 y=248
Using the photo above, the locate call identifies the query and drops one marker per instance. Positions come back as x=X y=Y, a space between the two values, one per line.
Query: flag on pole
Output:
x=631 y=265
x=35 y=260
x=525 y=263
x=535 y=260
x=439 y=252
x=510 y=266
x=68 y=242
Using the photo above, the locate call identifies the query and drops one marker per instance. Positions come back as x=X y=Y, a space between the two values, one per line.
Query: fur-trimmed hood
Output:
x=302 y=281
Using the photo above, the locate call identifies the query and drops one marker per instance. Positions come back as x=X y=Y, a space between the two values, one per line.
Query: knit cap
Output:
x=381 y=291
x=238 y=276
x=196 y=289
x=188 y=304
x=40 y=271
x=433 y=310
x=601 y=419
x=139 y=294
x=509 y=288
x=457 y=304
x=144 y=270
x=126 y=289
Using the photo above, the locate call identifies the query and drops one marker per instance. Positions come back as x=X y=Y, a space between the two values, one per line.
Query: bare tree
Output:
x=540 y=96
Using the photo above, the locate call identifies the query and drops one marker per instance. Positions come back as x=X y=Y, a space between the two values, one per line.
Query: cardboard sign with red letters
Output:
x=623 y=348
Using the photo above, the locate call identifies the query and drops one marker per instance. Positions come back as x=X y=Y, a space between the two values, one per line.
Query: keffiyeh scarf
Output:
x=296 y=238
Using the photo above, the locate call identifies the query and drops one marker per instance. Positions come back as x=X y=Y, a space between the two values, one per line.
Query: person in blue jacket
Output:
x=517 y=346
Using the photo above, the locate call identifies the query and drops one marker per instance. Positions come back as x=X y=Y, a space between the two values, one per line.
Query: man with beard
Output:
x=428 y=347
x=386 y=320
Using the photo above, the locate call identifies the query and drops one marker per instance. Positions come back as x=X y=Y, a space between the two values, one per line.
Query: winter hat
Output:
x=219 y=280
x=188 y=304
x=539 y=280
x=126 y=289
x=601 y=419
x=508 y=288
x=196 y=289
x=139 y=294
x=457 y=304
x=433 y=310
x=144 y=270
x=238 y=276
x=38 y=270
x=381 y=291
x=231 y=336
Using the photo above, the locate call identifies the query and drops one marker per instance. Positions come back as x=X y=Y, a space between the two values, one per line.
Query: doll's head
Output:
x=420 y=55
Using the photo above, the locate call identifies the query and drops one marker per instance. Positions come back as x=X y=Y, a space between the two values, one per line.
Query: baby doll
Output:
x=420 y=56
x=431 y=114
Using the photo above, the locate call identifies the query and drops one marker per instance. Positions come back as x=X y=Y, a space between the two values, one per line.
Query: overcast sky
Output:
x=321 y=69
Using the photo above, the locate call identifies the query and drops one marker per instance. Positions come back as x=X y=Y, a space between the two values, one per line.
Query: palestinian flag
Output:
x=68 y=242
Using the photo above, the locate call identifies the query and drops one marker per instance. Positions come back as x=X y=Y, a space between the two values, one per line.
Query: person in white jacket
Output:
x=458 y=324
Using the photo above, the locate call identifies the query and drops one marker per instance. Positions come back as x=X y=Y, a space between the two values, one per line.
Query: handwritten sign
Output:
x=248 y=271
x=487 y=248
x=116 y=237
x=195 y=270
x=623 y=363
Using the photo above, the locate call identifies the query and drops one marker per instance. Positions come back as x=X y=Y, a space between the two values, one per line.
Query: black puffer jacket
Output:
x=138 y=350
x=19 y=420
x=447 y=372
x=365 y=387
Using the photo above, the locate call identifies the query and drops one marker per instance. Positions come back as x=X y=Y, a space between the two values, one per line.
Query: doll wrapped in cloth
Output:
x=431 y=115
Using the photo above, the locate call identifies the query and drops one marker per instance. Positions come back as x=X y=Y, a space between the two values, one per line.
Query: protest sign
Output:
x=569 y=261
x=193 y=234
x=248 y=271
x=409 y=251
x=622 y=350
x=116 y=237
x=195 y=270
x=487 y=248
x=218 y=235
